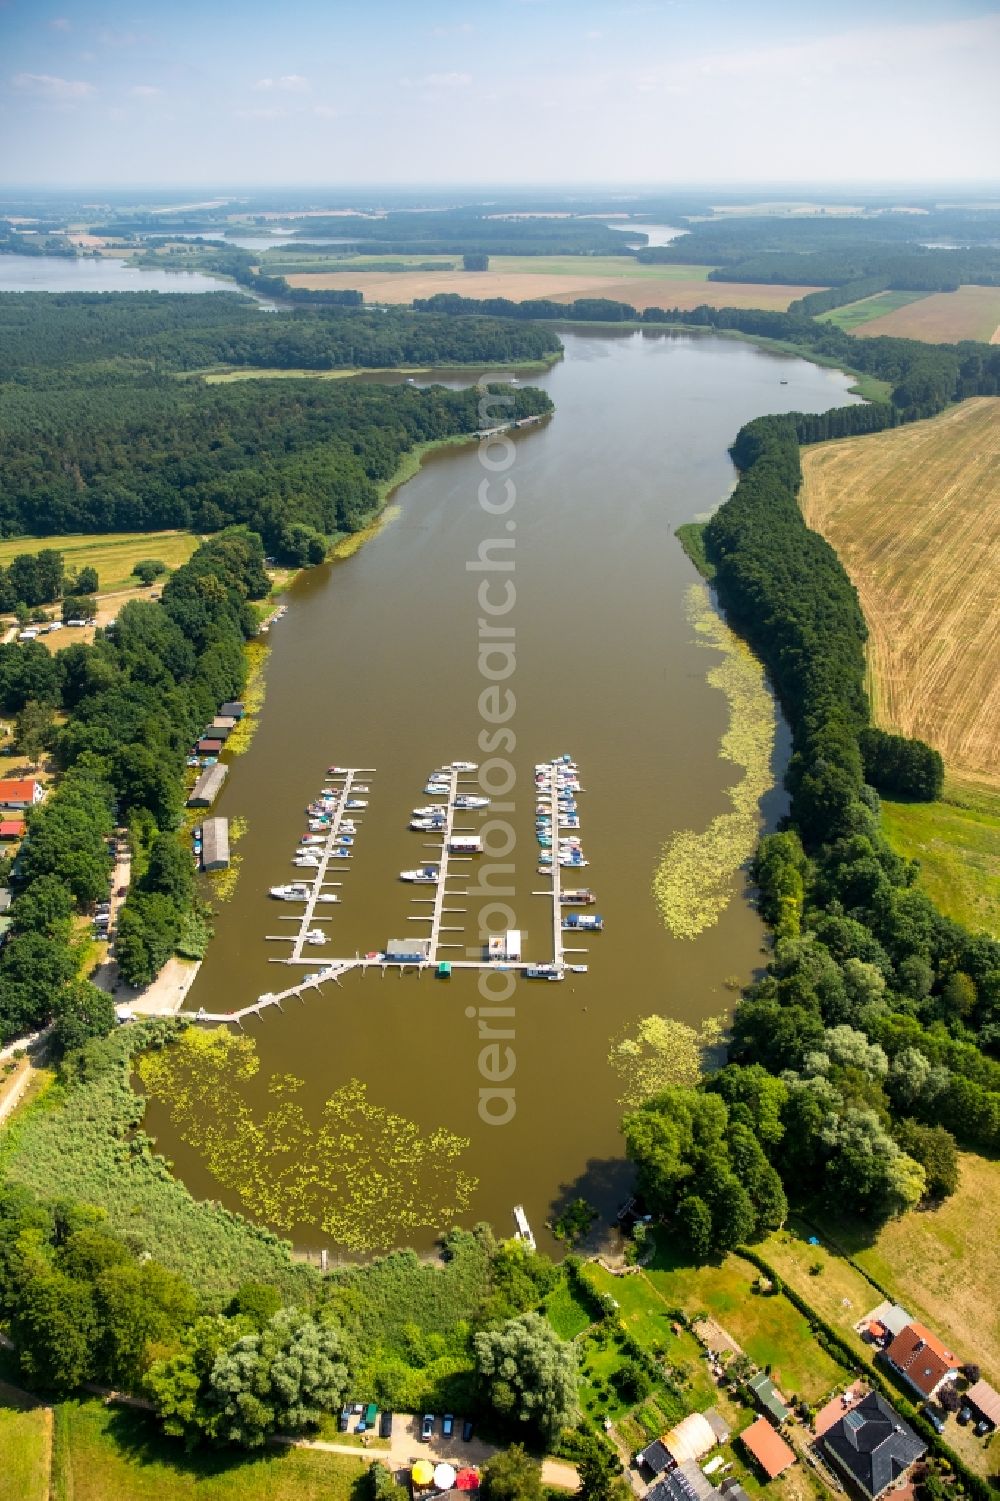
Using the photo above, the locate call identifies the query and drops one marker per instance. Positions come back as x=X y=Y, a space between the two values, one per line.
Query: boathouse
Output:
x=408 y=950
x=215 y=844
x=231 y=709
x=208 y=786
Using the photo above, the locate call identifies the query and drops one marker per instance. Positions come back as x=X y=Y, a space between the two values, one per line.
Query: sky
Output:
x=436 y=92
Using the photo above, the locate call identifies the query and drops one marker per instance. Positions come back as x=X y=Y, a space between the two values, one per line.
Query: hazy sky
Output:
x=434 y=91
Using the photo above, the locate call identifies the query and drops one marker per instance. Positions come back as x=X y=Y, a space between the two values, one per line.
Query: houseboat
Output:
x=427 y=875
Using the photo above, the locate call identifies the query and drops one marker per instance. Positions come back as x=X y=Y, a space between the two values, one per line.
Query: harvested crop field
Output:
x=561 y=286
x=914 y=515
x=943 y=318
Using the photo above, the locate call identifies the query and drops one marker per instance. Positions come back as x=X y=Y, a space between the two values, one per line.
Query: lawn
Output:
x=957 y=842
x=914 y=514
x=853 y=314
x=769 y=1329
x=24 y=1449
x=112 y=1454
x=567 y=1314
x=113 y=554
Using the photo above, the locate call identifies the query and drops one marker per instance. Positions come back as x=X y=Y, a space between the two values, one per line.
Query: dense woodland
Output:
x=47 y=338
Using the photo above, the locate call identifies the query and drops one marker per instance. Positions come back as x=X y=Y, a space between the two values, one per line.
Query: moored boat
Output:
x=580 y=896
x=426 y=875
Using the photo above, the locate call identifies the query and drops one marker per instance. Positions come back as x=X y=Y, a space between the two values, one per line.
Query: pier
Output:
x=306 y=920
x=331 y=970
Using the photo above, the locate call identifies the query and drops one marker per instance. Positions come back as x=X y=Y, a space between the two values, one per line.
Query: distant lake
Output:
x=656 y=234
x=57 y=273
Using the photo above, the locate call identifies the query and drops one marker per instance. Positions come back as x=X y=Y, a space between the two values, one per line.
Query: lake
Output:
x=57 y=273
x=377 y=664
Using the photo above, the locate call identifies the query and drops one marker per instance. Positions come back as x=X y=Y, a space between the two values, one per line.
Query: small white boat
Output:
x=291 y=891
x=306 y=862
x=312 y=839
x=578 y=969
x=427 y=875
x=437 y=789
x=465 y=765
x=356 y=802
x=429 y=810
x=428 y=825
x=468 y=801
x=328 y=896
x=316 y=935
x=543 y=972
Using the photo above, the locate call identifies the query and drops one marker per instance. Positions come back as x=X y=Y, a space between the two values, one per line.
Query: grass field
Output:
x=770 y=1329
x=24 y=1449
x=112 y=1454
x=853 y=314
x=562 y=279
x=113 y=554
x=944 y=1264
x=914 y=514
x=943 y=317
x=957 y=842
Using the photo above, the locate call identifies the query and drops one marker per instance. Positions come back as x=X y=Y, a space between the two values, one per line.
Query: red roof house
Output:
x=11 y=828
x=20 y=792
x=767 y=1447
x=921 y=1358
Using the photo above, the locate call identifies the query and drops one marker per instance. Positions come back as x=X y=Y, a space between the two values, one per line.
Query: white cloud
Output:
x=47 y=86
x=144 y=91
x=439 y=81
x=289 y=83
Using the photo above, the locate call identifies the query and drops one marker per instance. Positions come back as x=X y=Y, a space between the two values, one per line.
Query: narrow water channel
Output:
x=376 y=664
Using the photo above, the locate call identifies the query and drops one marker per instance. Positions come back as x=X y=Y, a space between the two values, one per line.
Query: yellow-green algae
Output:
x=659 y=1051
x=694 y=881
x=364 y=1174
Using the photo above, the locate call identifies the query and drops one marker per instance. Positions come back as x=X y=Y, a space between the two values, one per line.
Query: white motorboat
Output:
x=316 y=935
x=465 y=765
x=307 y=862
x=465 y=800
x=356 y=802
x=429 y=810
x=328 y=896
x=428 y=825
x=291 y=891
x=427 y=875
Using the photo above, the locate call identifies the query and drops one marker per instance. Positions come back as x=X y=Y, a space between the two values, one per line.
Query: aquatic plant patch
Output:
x=362 y=1173
x=696 y=878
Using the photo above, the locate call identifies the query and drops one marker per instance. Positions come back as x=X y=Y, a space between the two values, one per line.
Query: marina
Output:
x=648 y=418
x=331 y=837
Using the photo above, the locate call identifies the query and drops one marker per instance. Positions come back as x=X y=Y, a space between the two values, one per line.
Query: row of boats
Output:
x=433 y=818
x=315 y=846
x=557 y=820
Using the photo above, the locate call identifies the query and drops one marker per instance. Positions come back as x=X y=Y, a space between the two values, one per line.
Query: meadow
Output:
x=957 y=841
x=24 y=1447
x=113 y=554
x=942 y=318
x=113 y=1454
x=913 y=514
x=854 y=314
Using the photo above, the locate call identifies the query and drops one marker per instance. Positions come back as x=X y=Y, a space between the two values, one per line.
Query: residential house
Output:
x=871 y=1445
x=768 y=1448
x=11 y=828
x=20 y=792
x=921 y=1359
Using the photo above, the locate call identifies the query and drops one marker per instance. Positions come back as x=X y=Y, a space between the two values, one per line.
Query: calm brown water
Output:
x=376 y=665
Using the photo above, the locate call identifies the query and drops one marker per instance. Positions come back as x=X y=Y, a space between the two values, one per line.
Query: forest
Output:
x=120 y=454
x=47 y=338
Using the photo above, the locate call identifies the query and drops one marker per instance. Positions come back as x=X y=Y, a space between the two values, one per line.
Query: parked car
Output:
x=982 y=1428
x=965 y=1416
x=427 y=1428
x=385 y=1425
x=362 y=1425
x=447 y=1425
x=123 y=891
x=467 y=1430
x=371 y=1413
